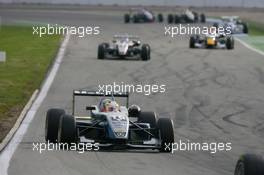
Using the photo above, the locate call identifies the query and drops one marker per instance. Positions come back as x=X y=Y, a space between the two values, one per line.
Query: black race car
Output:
x=141 y=15
x=187 y=16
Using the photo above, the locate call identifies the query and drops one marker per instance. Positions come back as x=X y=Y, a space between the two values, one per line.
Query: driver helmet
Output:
x=108 y=105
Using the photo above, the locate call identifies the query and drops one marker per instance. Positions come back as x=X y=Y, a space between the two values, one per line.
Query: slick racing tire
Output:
x=202 y=18
x=165 y=126
x=249 y=164
x=52 y=124
x=148 y=117
x=101 y=50
x=230 y=42
x=67 y=130
x=192 y=42
x=170 y=18
x=135 y=19
x=145 y=52
x=126 y=18
x=160 y=17
x=151 y=118
x=177 y=19
x=245 y=28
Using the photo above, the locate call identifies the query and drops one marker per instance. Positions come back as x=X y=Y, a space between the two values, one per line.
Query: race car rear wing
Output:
x=97 y=94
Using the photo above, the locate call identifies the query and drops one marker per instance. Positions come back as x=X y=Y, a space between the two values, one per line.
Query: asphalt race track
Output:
x=211 y=95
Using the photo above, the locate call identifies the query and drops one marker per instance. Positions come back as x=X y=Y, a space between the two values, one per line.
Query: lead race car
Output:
x=110 y=125
x=123 y=46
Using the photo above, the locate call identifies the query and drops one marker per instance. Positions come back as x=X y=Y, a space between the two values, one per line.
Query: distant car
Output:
x=124 y=46
x=250 y=164
x=110 y=125
x=187 y=16
x=212 y=41
x=236 y=25
x=141 y=15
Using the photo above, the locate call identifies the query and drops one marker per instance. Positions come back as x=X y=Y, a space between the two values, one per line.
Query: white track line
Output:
x=250 y=47
x=9 y=150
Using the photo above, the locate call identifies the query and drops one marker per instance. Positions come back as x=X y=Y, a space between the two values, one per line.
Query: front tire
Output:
x=165 y=126
x=250 y=164
x=101 y=51
x=177 y=19
x=67 y=130
x=230 y=43
x=126 y=18
x=192 y=42
x=145 y=52
x=52 y=124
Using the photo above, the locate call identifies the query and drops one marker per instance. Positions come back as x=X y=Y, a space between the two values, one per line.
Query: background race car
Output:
x=212 y=41
x=141 y=15
x=123 y=46
x=236 y=25
x=187 y=16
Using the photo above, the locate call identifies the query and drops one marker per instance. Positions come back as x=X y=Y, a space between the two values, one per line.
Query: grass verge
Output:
x=27 y=60
x=255 y=28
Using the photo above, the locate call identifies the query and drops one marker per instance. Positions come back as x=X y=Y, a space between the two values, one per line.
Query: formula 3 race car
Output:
x=110 y=125
x=187 y=16
x=250 y=164
x=124 y=46
x=236 y=25
x=212 y=41
x=141 y=15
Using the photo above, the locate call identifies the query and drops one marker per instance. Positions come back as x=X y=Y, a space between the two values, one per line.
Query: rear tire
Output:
x=230 y=42
x=145 y=52
x=203 y=18
x=170 y=18
x=52 y=124
x=160 y=17
x=245 y=28
x=192 y=42
x=250 y=164
x=165 y=126
x=67 y=130
x=126 y=18
x=148 y=117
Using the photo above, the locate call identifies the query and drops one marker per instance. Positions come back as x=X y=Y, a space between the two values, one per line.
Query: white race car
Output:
x=124 y=46
x=236 y=25
x=109 y=125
